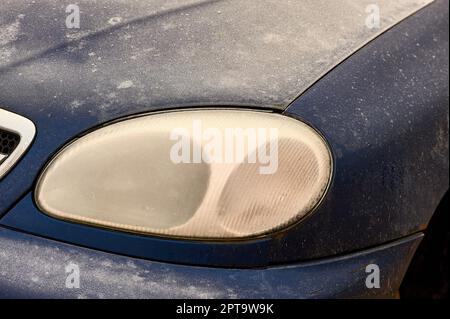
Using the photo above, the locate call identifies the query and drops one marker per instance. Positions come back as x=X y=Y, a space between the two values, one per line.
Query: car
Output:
x=224 y=149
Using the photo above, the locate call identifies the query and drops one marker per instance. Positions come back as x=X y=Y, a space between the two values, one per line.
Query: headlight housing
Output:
x=201 y=174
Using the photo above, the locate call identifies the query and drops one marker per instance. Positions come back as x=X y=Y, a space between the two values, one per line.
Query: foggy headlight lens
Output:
x=194 y=174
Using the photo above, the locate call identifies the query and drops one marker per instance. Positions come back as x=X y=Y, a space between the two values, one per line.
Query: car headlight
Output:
x=203 y=174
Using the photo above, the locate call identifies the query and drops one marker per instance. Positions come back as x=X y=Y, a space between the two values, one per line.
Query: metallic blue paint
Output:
x=384 y=112
x=33 y=267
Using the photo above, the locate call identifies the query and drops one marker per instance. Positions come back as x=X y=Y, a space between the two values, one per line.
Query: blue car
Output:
x=224 y=149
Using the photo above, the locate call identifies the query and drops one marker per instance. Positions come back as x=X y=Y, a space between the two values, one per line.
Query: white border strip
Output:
x=24 y=128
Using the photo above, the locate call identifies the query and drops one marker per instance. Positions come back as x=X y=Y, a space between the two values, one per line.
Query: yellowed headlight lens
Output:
x=211 y=174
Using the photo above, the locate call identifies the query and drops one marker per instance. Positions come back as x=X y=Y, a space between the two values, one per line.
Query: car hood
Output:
x=132 y=56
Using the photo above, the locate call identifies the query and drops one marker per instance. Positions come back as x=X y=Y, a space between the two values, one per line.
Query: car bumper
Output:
x=34 y=267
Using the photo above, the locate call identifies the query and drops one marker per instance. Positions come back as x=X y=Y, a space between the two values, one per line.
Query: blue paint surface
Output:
x=33 y=267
